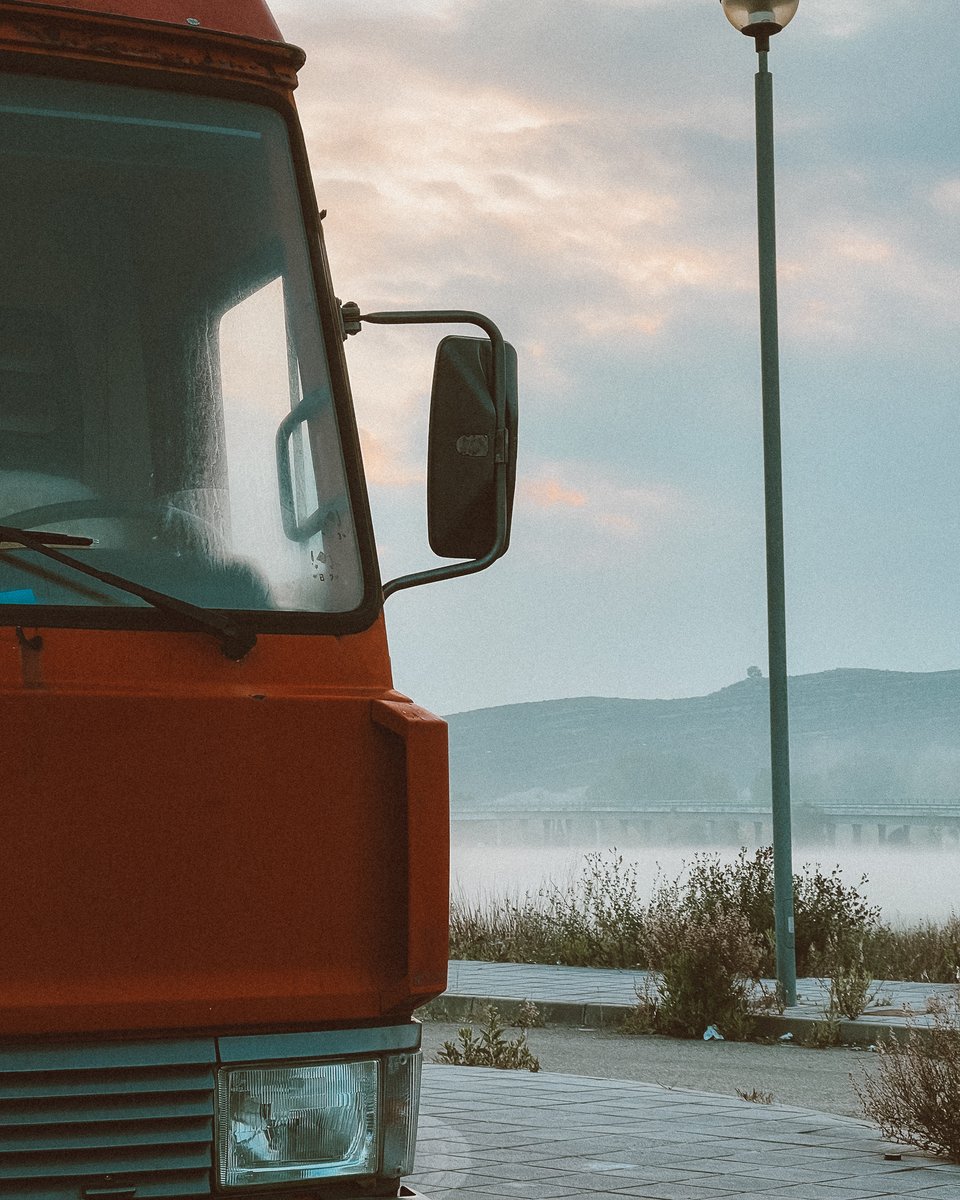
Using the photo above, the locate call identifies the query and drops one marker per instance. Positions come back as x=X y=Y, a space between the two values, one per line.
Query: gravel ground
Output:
x=817 y=1079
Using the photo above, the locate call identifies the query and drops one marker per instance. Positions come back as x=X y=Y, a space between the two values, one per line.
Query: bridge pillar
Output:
x=857 y=832
x=881 y=835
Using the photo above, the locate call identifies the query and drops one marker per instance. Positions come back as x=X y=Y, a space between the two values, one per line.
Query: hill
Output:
x=856 y=733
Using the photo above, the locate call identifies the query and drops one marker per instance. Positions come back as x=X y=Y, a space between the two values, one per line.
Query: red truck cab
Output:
x=223 y=862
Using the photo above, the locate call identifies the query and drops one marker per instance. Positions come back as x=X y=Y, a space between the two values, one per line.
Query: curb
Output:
x=611 y=1016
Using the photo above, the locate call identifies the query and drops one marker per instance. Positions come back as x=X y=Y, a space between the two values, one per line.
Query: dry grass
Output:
x=598 y=919
x=915 y=1095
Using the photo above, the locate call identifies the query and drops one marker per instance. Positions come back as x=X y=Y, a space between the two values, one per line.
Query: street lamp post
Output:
x=760 y=19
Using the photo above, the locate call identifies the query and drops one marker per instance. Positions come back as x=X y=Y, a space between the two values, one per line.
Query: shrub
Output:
x=830 y=916
x=915 y=1095
x=613 y=909
x=832 y=919
x=707 y=961
x=490 y=1048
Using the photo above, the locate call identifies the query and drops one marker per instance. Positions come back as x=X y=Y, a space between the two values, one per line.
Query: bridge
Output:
x=542 y=819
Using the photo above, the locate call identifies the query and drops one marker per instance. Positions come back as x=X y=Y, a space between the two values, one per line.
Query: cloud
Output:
x=583 y=170
x=590 y=507
x=549 y=493
x=383 y=466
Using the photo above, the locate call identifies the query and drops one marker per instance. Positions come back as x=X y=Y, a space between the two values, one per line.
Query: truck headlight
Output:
x=282 y=1123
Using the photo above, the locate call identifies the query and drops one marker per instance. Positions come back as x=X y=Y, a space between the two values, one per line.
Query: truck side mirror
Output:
x=463 y=451
x=472 y=454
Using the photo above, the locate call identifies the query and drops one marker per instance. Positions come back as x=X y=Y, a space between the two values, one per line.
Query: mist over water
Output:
x=909 y=884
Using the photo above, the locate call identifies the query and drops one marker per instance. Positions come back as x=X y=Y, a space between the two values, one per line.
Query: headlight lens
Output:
x=283 y=1124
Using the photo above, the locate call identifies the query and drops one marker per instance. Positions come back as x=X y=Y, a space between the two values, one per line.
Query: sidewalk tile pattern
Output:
x=490 y=1135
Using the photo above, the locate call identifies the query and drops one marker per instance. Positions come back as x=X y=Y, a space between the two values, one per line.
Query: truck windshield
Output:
x=164 y=388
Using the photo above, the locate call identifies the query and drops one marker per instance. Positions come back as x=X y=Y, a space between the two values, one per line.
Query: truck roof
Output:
x=248 y=18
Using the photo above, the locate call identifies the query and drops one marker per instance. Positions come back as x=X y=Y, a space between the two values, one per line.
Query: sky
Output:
x=583 y=172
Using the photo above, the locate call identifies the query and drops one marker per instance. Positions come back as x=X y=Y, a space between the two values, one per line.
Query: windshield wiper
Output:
x=15 y=539
x=235 y=641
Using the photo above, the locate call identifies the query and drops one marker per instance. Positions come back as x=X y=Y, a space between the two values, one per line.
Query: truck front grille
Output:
x=116 y=1121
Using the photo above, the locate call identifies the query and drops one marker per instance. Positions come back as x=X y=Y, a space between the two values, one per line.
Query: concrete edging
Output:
x=611 y=1016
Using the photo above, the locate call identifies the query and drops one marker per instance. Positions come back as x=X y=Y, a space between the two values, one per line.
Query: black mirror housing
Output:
x=464 y=448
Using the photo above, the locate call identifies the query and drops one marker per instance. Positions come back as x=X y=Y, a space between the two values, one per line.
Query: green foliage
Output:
x=915 y=1095
x=831 y=918
x=706 y=957
x=490 y=1047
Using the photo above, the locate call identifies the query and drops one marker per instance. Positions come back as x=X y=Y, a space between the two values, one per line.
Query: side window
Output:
x=260 y=384
x=255 y=381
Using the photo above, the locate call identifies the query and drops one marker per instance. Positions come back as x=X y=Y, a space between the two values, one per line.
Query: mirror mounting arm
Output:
x=352 y=318
x=349 y=318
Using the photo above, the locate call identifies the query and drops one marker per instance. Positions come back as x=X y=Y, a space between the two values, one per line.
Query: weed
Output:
x=755 y=1096
x=832 y=918
x=850 y=981
x=915 y=1094
x=528 y=1016
x=489 y=1048
x=642 y=1018
x=433 y=1010
x=825 y=1034
x=826 y=909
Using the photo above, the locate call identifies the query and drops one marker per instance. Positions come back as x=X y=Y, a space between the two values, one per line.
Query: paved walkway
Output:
x=604 y=991
x=489 y=1135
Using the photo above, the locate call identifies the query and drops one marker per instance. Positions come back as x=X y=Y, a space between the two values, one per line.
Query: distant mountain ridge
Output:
x=850 y=729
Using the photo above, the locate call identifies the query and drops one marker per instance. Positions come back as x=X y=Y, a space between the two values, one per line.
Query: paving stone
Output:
x=543 y=1151
x=490 y=1135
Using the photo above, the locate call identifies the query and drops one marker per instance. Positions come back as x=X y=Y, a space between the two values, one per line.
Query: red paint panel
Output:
x=105 y=661
x=248 y=18
x=424 y=740
x=200 y=844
